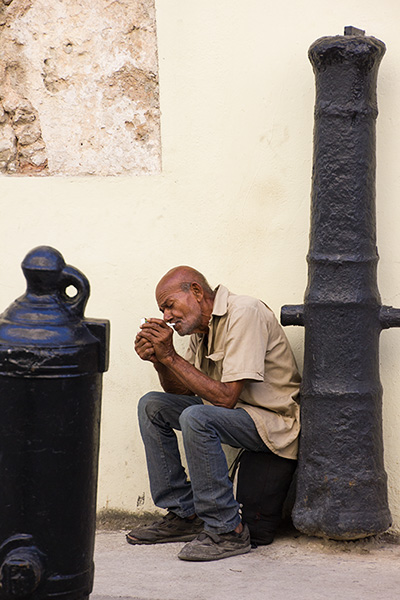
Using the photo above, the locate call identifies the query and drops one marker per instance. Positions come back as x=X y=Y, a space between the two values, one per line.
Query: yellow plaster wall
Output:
x=237 y=96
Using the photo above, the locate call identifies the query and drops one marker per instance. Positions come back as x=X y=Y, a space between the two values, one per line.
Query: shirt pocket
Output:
x=214 y=367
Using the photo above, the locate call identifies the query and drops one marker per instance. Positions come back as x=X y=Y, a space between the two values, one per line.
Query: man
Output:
x=237 y=385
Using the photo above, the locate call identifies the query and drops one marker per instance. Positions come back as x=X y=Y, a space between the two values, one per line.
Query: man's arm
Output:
x=168 y=381
x=225 y=394
x=220 y=394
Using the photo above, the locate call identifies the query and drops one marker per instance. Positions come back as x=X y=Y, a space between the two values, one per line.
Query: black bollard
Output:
x=51 y=364
x=342 y=484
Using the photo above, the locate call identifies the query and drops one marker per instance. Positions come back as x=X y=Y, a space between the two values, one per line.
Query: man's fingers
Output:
x=154 y=321
x=143 y=345
x=154 y=325
x=145 y=349
x=150 y=337
x=157 y=331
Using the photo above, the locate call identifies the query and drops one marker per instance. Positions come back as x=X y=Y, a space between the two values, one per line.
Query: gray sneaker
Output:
x=170 y=528
x=213 y=546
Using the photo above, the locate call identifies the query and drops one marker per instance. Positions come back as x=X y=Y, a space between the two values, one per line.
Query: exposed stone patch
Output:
x=51 y=78
x=8 y=148
x=12 y=9
x=79 y=87
x=22 y=149
x=138 y=85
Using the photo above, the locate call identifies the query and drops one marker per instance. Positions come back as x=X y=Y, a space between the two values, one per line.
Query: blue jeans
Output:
x=204 y=428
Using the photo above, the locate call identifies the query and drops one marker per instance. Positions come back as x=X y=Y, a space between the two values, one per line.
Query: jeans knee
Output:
x=192 y=417
x=149 y=405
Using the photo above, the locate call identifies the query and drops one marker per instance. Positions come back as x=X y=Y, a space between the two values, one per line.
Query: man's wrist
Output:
x=169 y=360
x=158 y=366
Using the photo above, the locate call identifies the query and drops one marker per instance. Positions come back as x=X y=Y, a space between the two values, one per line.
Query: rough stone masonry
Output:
x=79 y=87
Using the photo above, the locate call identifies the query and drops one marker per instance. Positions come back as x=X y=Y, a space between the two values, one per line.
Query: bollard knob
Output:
x=46 y=273
x=42 y=267
x=21 y=572
x=44 y=331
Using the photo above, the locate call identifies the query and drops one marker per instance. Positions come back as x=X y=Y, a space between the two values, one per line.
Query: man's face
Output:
x=181 y=308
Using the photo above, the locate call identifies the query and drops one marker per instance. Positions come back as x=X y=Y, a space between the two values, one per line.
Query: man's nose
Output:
x=167 y=315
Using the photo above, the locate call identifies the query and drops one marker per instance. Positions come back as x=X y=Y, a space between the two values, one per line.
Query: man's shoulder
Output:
x=243 y=302
x=228 y=305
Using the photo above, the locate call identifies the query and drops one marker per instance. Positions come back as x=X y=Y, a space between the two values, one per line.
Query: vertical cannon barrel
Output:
x=51 y=365
x=342 y=484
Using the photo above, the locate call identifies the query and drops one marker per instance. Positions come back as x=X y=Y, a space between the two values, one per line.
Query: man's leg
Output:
x=158 y=414
x=205 y=428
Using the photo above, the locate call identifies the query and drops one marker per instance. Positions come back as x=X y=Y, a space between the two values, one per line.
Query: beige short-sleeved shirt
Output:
x=246 y=342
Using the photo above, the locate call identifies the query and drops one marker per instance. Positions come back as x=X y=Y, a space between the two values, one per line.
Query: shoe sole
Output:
x=181 y=538
x=226 y=554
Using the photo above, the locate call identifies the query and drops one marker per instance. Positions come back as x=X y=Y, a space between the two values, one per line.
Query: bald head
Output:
x=183 y=277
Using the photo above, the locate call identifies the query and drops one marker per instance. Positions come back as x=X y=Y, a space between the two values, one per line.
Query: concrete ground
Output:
x=294 y=567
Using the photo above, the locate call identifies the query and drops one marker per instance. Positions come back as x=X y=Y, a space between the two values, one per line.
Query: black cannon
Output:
x=342 y=484
x=51 y=364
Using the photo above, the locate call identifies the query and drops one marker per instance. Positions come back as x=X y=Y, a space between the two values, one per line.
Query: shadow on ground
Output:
x=123 y=520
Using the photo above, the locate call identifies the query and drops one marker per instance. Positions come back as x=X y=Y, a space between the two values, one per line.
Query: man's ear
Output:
x=197 y=291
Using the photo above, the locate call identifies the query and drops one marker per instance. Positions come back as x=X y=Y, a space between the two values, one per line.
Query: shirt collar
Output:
x=220 y=306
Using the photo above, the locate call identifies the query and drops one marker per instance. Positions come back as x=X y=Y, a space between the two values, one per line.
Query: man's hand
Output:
x=146 y=351
x=158 y=336
x=176 y=374
x=144 y=348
